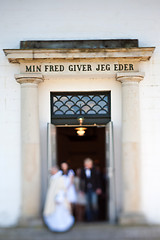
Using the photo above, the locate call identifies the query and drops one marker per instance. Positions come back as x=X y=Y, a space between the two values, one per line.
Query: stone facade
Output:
x=140 y=90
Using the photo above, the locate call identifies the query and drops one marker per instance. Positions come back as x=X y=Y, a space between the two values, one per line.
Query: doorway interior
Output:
x=74 y=149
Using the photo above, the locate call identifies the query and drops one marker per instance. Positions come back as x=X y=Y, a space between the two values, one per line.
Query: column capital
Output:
x=130 y=77
x=29 y=78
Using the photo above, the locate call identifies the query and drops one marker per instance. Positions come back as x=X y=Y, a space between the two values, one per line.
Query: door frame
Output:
x=110 y=164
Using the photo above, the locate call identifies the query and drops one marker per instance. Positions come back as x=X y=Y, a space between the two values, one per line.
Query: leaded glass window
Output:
x=67 y=107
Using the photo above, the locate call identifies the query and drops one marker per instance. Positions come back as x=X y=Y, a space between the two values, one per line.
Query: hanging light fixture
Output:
x=80 y=130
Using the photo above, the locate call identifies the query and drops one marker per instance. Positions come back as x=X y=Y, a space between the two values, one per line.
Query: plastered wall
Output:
x=72 y=19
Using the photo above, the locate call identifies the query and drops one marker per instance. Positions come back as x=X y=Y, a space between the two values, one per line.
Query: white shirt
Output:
x=88 y=172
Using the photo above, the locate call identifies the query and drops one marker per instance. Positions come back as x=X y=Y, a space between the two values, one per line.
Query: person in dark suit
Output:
x=90 y=184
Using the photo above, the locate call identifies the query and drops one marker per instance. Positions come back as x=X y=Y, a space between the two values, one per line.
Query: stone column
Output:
x=30 y=145
x=130 y=147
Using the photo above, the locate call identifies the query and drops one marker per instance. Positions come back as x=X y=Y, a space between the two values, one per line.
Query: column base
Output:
x=132 y=219
x=30 y=222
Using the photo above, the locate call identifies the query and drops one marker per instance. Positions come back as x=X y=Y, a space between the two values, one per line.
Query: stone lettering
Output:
x=54 y=68
x=82 y=67
x=61 y=68
x=120 y=67
x=131 y=67
x=28 y=68
x=115 y=67
x=100 y=67
x=123 y=67
x=89 y=67
x=103 y=67
x=33 y=68
x=46 y=68
x=71 y=68
x=51 y=68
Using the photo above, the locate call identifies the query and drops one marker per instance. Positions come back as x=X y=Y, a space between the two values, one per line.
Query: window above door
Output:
x=93 y=107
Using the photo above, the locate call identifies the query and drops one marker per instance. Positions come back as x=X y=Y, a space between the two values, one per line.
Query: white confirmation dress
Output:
x=57 y=212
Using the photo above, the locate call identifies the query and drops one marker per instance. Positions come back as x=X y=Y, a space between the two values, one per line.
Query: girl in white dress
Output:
x=57 y=210
x=68 y=175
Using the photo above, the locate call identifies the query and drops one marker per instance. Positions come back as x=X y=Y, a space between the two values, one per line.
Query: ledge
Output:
x=79 y=44
x=20 y=55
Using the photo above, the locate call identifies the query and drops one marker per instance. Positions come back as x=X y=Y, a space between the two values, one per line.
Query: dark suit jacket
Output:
x=93 y=181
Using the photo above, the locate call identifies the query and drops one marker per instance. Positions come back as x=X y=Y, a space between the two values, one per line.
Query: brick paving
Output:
x=96 y=231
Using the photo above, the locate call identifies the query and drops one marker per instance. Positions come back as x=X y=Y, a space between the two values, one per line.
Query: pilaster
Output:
x=131 y=212
x=30 y=145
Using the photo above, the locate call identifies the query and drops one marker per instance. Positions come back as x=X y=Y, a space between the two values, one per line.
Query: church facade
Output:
x=93 y=71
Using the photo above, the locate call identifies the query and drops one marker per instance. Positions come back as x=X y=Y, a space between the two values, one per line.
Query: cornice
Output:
x=138 y=54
